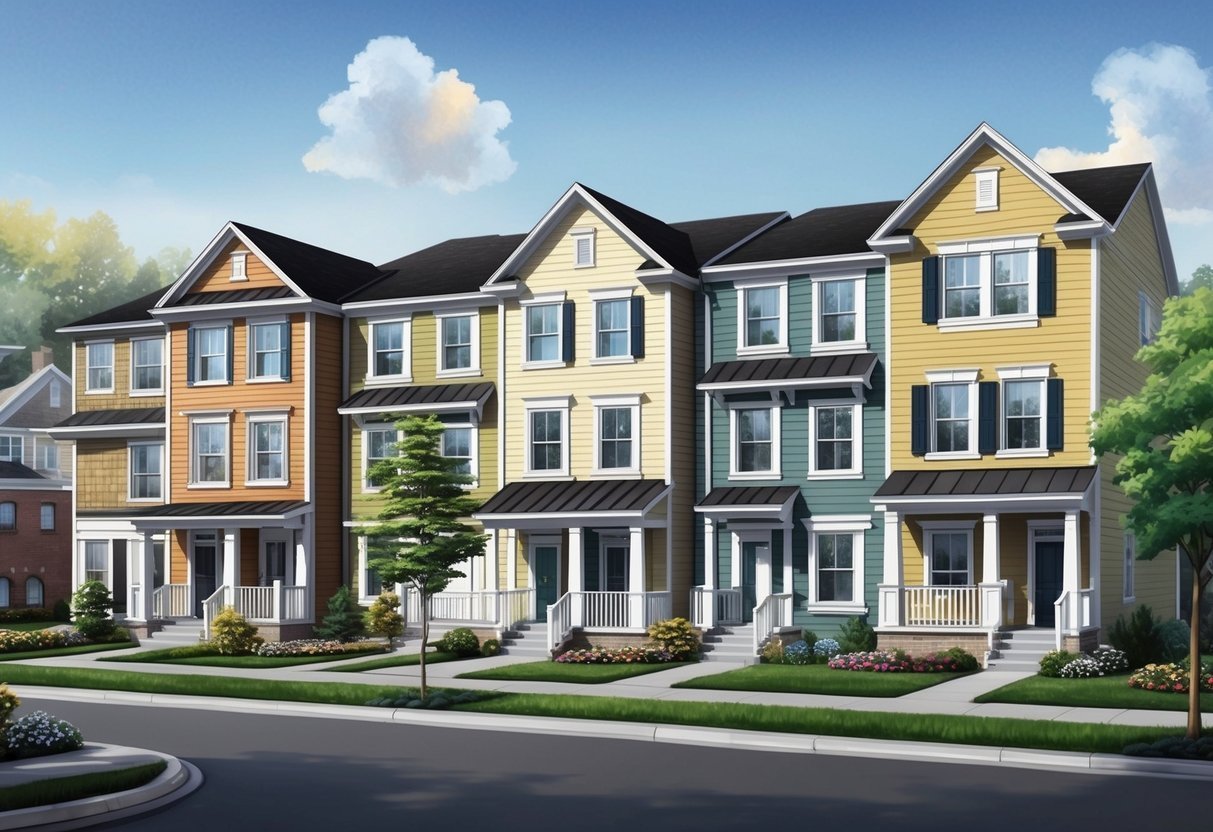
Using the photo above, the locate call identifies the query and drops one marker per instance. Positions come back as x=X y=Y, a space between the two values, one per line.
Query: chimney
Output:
x=41 y=357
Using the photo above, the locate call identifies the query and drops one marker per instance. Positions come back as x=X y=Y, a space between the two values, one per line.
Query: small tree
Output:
x=344 y=620
x=384 y=618
x=1164 y=437
x=421 y=536
x=91 y=605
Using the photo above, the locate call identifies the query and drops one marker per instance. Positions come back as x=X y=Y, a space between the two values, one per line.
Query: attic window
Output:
x=239 y=261
x=583 y=247
x=987 y=188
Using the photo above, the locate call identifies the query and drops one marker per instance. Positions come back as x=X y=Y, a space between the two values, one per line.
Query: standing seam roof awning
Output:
x=587 y=498
x=975 y=488
x=791 y=372
x=418 y=397
x=759 y=502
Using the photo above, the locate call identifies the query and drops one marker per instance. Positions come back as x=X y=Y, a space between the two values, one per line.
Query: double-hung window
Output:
x=949 y=555
x=543 y=332
x=8 y=516
x=267 y=437
x=147 y=365
x=12 y=448
x=617 y=432
x=211 y=356
x=210 y=450
x=269 y=351
x=458 y=337
x=839 y=323
x=48 y=456
x=378 y=443
x=389 y=349
x=1024 y=414
x=547 y=425
x=612 y=328
x=988 y=282
x=1148 y=319
x=96 y=561
x=755 y=446
x=949 y=429
x=762 y=317
x=99 y=373
x=835 y=445
x=147 y=460
x=46 y=518
x=836 y=570
x=457 y=445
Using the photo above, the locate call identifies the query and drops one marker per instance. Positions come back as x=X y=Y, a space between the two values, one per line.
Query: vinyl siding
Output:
x=423 y=349
x=218 y=278
x=683 y=462
x=326 y=491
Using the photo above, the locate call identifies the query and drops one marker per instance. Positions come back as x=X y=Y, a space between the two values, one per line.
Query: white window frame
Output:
x=43 y=513
x=986 y=178
x=556 y=299
x=1149 y=319
x=584 y=234
x=367 y=429
x=194 y=423
x=1129 y=577
x=987 y=248
x=89 y=366
x=860 y=341
x=1027 y=372
x=363 y=567
x=598 y=296
x=19 y=440
x=109 y=555
x=251 y=326
x=43 y=451
x=251 y=420
x=406 y=357
x=473 y=368
x=130 y=472
x=856 y=470
x=56 y=393
x=856 y=525
x=742 y=287
x=239 y=267
x=560 y=404
x=930 y=528
x=195 y=332
x=146 y=391
x=473 y=447
x=968 y=377
x=775 y=471
x=616 y=402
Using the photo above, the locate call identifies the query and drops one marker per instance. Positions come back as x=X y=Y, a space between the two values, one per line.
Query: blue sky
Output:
x=174 y=117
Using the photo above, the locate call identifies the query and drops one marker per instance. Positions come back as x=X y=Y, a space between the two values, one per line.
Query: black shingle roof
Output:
x=672 y=244
x=388 y=398
x=773 y=496
x=577 y=497
x=822 y=232
x=448 y=268
x=712 y=236
x=100 y=418
x=846 y=366
x=978 y=482
x=132 y=311
x=17 y=471
x=1106 y=190
x=322 y=274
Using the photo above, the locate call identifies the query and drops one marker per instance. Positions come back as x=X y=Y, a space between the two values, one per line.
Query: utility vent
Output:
x=987 y=189
x=583 y=247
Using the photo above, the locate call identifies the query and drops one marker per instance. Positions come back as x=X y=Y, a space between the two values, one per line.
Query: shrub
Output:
x=14 y=615
x=1138 y=637
x=798 y=652
x=16 y=641
x=827 y=647
x=384 y=618
x=91 y=605
x=1170 y=678
x=460 y=641
x=883 y=661
x=1180 y=748
x=856 y=636
x=39 y=733
x=232 y=635
x=343 y=622
x=622 y=655
x=1052 y=662
x=491 y=647
x=675 y=635
x=1083 y=667
x=772 y=651
x=810 y=638
x=318 y=647
x=1110 y=660
x=1173 y=639
x=8 y=703
x=963 y=659
x=62 y=611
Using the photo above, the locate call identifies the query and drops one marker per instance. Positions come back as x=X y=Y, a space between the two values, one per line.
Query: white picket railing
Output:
x=942 y=606
x=1072 y=613
x=172 y=601
x=774 y=613
x=211 y=607
x=710 y=607
x=501 y=607
x=293 y=606
x=276 y=604
x=627 y=611
x=254 y=602
x=560 y=620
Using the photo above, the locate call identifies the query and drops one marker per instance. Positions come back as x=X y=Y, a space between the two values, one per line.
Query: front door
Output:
x=206 y=569
x=274 y=560
x=1048 y=580
x=615 y=566
x=750 y=553
x=544 y=558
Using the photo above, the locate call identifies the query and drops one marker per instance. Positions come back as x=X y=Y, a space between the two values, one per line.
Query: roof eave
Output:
x=765 y=268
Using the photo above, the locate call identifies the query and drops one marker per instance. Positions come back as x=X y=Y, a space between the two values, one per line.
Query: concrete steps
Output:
x=730 y=644
x=1020 y=649
x=529 y=640
x=181 y=632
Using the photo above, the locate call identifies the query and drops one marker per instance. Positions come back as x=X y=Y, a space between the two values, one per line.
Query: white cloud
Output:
x=400 y=123
x=1162 y=112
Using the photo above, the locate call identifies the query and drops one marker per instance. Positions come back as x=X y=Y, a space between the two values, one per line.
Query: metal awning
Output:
x=749 y=503
x=777 y=375
x=243 y=513
x=980 y=489
x=418 y=398
x=103 y=424
x=560 y=504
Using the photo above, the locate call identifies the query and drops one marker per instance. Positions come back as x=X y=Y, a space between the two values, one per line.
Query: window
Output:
x=1148 y=319
x=953 y=417
x=5 y=593
x=210 y=452
x=612 y=328
x=370 y=584
x=1130 y=559
x=33 y=591
x=378 y=443
x=99 y=359
x=547 y=446
x=8 y=517
x=992 y=280
x=12 y=448
x=239 y=266
x=986 y=182
x=762 y=317
x=1011 y=283
x=269 y=351
x=962 y=286
x=835 y=567
x=147 y=459
x=46 y=520
x=147 y=365
x=211 y=357
x=836 y=547
x=543 y=332
x=583 y=247
x=457 y=445
x=388 y=342
x=96 y=561
x=1024 y=414
x=949 y=557
x=840 y=320
x=56 y=394
x=834 y=435
x=48 y=456
x=267 y=449
x=755 y=447
x=457 y=348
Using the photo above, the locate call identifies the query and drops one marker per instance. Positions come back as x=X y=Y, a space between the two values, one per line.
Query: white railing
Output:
x=255 y=603
x=172 y=601
x=628 y=611
x=134 y=607
x=275 y=604
x=560 y=621
x=499 y=607
x=942 y=606
x=211 y=607
x=1072 y=613
x=293 y=606
x=710 y=607
x=773 y=614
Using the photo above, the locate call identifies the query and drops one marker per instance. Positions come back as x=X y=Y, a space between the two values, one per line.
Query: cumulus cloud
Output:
x=1161 y=111
x=400 y=123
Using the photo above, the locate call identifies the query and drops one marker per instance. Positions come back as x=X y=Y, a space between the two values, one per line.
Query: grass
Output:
x=817 y=678
x=77 y=787
x=402 y=660
x=64 y=651
x=29 y=626
x=582 y=674
x=1100 y=692
x=204 y=656
x=988 y=731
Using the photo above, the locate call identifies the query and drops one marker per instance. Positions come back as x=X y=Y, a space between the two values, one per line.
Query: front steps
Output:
x=1020 y=649
x=734 y=643
x=178 y=632
x=528 y=640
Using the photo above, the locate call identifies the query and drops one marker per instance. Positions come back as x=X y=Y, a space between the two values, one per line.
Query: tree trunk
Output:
x=1194 y=657
x=425 y=636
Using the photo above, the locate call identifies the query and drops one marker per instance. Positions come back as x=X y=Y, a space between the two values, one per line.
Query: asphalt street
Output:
x=297 y=773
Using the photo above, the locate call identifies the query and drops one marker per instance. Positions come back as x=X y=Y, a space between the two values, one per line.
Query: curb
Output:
x=178 y=780
x=1062 y=761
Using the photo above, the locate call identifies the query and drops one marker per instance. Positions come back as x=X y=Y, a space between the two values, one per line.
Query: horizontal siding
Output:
x=121 y=398
x=423 y=357
x=1154 y=580
x=218 y=278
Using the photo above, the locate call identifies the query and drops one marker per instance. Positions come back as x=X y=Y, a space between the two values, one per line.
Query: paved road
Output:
x=298 y=774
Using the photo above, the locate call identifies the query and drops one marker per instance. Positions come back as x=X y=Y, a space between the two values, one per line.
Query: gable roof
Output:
x=133 y=311
x=717 y=237
x=822 y=232
x=1107 y=190
x=670 y=244
x=14 y=398
x=17 y=471
x=450 y=267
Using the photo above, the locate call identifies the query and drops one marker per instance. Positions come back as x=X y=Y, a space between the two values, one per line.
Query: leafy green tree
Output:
x=1163 y=437
x=1202 y=278
x=344 y=620
x=421 y=536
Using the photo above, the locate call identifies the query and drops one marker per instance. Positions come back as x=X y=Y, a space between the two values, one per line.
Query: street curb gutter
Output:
x=1070 y=761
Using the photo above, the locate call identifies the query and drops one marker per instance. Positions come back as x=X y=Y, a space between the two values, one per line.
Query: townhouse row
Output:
x=758 y=421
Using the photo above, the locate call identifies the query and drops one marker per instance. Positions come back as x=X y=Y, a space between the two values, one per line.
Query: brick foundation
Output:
x=919 y=644
x=285 y=632
x=1084 y=642
x=582 y=640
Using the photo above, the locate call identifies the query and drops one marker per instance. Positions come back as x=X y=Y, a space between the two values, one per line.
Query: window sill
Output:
x=755 y=475
x=266 y=380
x=945 y=455
x=385 y=381
x=543 y=365
x=821 y=608
x=999 y=322
x=1022 y=453
x=463 y=372
x=555 y=476
x=203 y=486
x=838 y=347
x=835 y=475
x=612 y=359
x=145 y=500
x=762 y=351
x=266 y=483
x=99 y=392
x=136 y=394
x=210 y=383
x=616 y=473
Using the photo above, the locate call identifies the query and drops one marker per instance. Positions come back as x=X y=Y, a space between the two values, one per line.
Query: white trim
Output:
x=953 y=377
x=857 y=525
x=775 y=471
x=533 y=541
x=560 y=404
x=150 y=391
x=130 y=472
x=366 y=428
x=986 y=249
x=239 y=272
x=611 y=296
x=215 y=419
x=250 y=350
x=473 y=449
x=745 y=350
x=209 y=254
x=986 y=177
x=630 y=403
x=89 y=366
x=860 y=341
x=1038 y=373
x=229 y=343
x=584 y=233
x=798 y=265
x=544 y=300
x=856 y=469
x=1096 y=360
x=474 y=348
x=251 y=420
x=406 y=346
x=946 y=527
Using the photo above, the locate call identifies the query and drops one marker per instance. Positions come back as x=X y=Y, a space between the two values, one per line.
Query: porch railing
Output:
x=275 y=604
x=942 y=606
x=212 y=605
x=1072 y=613
x=171 y=601
x=499 y=607
x=710 y=607
x=774 y=613
x=630 y=611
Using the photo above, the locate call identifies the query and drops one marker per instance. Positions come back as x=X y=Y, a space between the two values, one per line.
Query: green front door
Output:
x=1048 y=580
x=750 y=552
x=547 y=589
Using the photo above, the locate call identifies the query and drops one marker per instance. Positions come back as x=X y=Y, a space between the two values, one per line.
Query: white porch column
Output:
x=1071 y=571
x=636 y=575
x=889 y=614
x=231 y=557
x=990 y=586
x=787 y=560
x=303 y=572
x=511 y=559
x=492 y=578
x=576 y=573
x=147 y=578
x=709 y=553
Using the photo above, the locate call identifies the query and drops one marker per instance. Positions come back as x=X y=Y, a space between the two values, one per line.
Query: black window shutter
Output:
x=987 y=417
x=231 y=343
x=920 y=414
x=567 y=352
x=1046 y=282
x=1054 y=423
x=930 y=290
x=189 y=357
x=637 y=327
x=285 y=350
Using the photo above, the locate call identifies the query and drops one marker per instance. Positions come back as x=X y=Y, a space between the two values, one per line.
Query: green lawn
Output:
x=64 y=651
x=1101 y=692
x=582 y=674
x=817 y=678
x=402 y=660
x=204 y=656
x=29 y=626
x=78 y=787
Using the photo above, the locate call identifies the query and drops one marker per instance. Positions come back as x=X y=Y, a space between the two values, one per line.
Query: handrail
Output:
x=1072 y=612
x=710 y=607
x=211 y=607
x=171 y=601
x=773 y=613
x=560 y=621
x=500 y=607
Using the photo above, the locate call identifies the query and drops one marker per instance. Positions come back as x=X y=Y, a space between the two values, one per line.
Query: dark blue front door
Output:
x=1048 y=580
x=750 y=552
x=547 y=590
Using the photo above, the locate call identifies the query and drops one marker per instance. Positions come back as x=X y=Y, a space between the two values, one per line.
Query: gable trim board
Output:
x=22 y=392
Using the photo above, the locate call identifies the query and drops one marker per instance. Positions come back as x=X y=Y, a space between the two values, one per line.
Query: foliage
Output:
x=1083 y=667
x=1110 y=660
x=62 y=611
x=491 y=647
x=1052 y=662
x=798 y=653
x=772 y=651
x=827 y=647
x=8 y=703
x=421 y=537
x=1175 y=748
x=1171 y=678
x=318 y=647
x=461 y=641
x=809 y=637
x=232 y=635
x=627 y=654
x=1172 y=638
x=78 y=786
x=1138 y=638
x=384 y=618
x=19 y=615
x=436 y=702
x=17 y=641
x=91 y=605
x=344 y=619
x=952 y=660
x=39 y=734
x=1202 y=278
x=674 y=635
x=856 y=636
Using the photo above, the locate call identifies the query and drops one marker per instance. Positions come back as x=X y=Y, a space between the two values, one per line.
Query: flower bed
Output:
x=621 y=655
x=17 y=641
x=954 y=660
x=1169 y=678
x=39 y=734
x=319 y=647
